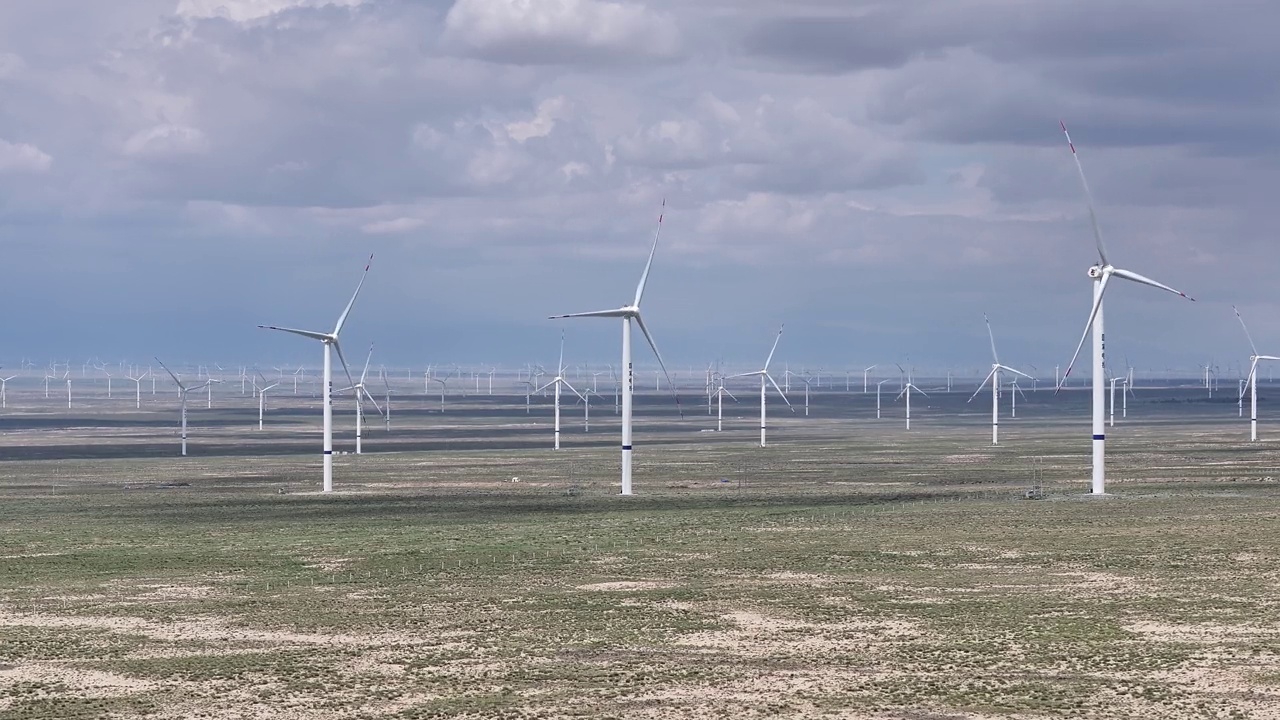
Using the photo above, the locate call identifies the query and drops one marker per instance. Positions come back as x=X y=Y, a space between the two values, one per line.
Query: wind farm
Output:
x=264 y=530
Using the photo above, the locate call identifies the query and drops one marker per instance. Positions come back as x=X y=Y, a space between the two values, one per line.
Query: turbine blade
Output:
x=574 y=391
x=1093 y=217
x=304 y=333
x=1016 y=372
x=774 y=348
x=375 y=402
x=338 y=348
x=366 y=364
x=775 y=387
x=992 y=336
x=342 y=319
x=620 y=312
x=1246 y=331
x=1093 y=313
x=560 y=367
x=984 y=384
x=654 y=346
x=644 y=277
x=1127 y=275
x=726 y=392
x=166 y=369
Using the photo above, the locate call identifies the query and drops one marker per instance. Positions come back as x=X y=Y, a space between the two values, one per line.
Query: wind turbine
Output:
x=106 y=372
x=4 y=391
x=557 y=381
x=183 y=390
x=361 y=393
x=67 y=376
x=261 y=392
x=994 y=378
x=765 y=380
x=1101 y=274
x=878 y=385
x=137 y=398
x=720 y=393
x=906 y=390
x=1253 y=379
x=627 y=313
x=329 y=339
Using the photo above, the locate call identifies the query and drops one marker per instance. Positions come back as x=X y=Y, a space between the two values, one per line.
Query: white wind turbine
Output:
x=361 y=393
x=329 y=339
x=720 y=393
x=557 y=381
x=864 y=378
x=1253 y=379
x=4 y=391
x=67 y=376
x=765 y=381
x=106 y=372
x=993 y=377
x=137 y=397
x=261 y=392
x=183 y=390
x=1101 y=275
x=627 y=313
x=878 y=386
x=906 y=390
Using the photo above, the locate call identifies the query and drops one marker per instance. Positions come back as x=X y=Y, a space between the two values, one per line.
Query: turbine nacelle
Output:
x=1098 y=271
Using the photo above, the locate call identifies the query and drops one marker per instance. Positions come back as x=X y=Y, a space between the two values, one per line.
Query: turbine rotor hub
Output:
x=1095 y=272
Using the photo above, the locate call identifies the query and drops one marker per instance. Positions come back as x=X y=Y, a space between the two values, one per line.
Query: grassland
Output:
x=850 y=570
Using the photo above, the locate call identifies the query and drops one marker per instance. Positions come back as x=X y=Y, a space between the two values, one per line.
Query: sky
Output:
x=876 y=175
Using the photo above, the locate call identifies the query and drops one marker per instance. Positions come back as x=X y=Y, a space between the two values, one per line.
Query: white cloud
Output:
x=167 y=139
x=22 y=157
x=541 y=124
x=556 y=31
x=245 y=10
x=390 y=227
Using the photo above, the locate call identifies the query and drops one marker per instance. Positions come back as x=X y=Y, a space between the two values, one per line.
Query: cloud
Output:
x=166 y=140
x=246 y=10
x=394 y=226
x=23 y=158
x=559 y=31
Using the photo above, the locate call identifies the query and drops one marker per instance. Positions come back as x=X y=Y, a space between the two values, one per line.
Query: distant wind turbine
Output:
x=765 y=381
x=1253 y=378
x=557 y=381
x=261 y=391
x=4 y=391
x=361 y=393
x=993 y=377
x=183 y=391
x=906 y=390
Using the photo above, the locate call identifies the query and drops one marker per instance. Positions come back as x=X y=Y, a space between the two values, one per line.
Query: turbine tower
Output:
x=1101 y=274
x=765 y=380
x=628 y=313
x=330 y=339
x=993 y=377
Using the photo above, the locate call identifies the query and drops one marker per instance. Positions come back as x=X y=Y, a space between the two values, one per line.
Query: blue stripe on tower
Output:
x=1099 y=437
x=626 y=447
x=328 y=452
